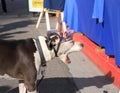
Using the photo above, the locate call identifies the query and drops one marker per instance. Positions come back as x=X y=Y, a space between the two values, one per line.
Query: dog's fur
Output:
x=20 y=58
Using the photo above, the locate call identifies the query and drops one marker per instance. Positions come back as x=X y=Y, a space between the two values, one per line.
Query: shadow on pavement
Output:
x=10 y=35
x=15 y=25
x=64 y=85
x=6 y=30
x=4 y=89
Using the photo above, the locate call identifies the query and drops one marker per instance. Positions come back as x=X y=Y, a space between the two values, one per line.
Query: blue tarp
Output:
x=78 y=16
x=54 y=4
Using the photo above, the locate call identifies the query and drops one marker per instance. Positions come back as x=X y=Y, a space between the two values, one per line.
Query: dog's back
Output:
x=13 y=52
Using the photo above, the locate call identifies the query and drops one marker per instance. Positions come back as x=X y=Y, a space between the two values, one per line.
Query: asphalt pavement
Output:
x=80 y=76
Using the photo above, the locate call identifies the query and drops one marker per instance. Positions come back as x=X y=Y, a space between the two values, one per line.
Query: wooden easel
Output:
x=59 y=16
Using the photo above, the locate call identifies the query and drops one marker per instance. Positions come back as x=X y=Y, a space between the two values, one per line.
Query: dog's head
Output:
x=62 y=49
x=53 y=39
x=68 y=47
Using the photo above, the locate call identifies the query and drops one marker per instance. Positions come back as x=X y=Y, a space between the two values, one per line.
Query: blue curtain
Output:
x=98 y=10
x=78 y=14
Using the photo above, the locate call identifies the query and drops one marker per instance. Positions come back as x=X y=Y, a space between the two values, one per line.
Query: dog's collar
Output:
x=46 y=52
x=56 y=50
x=43 y=61
x=49 y=40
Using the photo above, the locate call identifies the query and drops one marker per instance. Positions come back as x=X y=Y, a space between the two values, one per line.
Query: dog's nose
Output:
x=72 y=41
x=81 y=45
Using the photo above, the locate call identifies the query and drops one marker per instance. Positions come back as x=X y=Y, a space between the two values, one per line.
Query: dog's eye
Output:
x=54 y=45
x=56 y=37
x=53 y=39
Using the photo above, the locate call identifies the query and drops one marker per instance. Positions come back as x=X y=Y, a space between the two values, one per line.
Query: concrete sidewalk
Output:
x=88 y=78
x=81 y=76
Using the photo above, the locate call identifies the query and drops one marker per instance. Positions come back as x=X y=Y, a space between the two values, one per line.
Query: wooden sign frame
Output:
x=35 y=5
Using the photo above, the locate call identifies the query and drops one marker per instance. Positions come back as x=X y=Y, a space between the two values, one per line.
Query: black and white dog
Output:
x=21 y=58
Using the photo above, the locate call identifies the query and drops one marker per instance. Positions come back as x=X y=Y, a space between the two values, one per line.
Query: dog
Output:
x=21 y=59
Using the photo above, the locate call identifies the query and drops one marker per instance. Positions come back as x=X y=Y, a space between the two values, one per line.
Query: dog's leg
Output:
x=30 y=81
x=31 y=87
x=33 y=91
x=22 y=88
x=63 y=58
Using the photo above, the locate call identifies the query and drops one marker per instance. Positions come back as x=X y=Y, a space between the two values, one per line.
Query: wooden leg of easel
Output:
x=64 y=27
x=57 y=26
x=39 y=19
x=63 y=23
x=47 y=21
